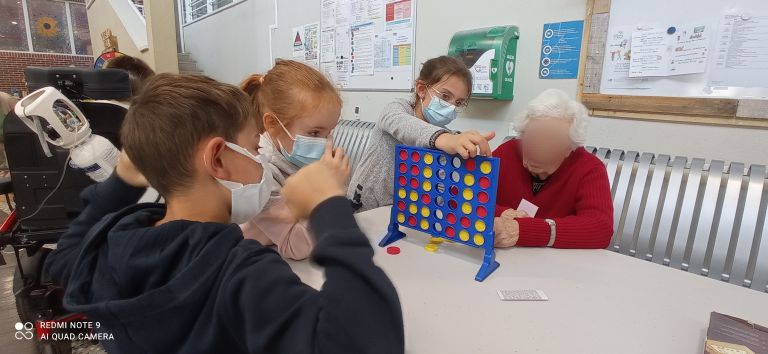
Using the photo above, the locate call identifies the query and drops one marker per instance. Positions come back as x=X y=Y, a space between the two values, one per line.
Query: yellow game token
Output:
x=479 y=240
x=424 y=224
x=427 y=185
x=401 y=193
x=400 y=218
x=436 y=240
x=464 y=235
x=485 y=167
x=428 y=158
x=479 y=225
x=431 y=247
x=468 y=195
x=427 y=172
x=466 y=208
x=414 y=196
x=412 y=208
x=425 y=212
x=469 y=180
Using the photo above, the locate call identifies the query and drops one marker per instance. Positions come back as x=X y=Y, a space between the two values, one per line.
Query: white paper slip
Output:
x=528 y=207
x=522 y=295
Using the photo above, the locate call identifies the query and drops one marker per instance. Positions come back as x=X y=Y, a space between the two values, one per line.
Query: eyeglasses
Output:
x=447 y=99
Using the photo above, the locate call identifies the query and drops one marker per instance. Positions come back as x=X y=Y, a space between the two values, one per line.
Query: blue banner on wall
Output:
x=561 y=50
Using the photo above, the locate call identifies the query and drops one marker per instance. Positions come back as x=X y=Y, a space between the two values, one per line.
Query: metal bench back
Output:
x=704 y=218
x=353 y=136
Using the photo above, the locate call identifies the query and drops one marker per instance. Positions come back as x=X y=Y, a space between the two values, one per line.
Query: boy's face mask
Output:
x=306 y=149
x=438 y=112
x=248 y=199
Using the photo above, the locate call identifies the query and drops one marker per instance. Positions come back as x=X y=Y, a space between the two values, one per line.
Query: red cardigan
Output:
x=577 y=197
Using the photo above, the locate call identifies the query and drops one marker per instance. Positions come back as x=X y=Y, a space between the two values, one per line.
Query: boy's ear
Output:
x=213 y=151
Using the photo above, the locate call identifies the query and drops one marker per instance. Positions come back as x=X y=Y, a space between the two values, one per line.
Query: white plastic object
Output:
x=94 y=154
x=97 y=157
x=53 y=109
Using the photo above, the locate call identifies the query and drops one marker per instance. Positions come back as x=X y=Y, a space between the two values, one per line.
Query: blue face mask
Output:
x=306 y=149
x=438 y=112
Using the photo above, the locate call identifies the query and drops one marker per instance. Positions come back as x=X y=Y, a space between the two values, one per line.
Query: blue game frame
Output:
x=420 y=203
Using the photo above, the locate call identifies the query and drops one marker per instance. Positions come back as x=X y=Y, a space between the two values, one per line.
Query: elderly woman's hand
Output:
x=507 y=231
x=514 y=214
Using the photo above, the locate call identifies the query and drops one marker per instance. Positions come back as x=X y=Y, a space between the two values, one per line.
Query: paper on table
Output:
x=528 y=207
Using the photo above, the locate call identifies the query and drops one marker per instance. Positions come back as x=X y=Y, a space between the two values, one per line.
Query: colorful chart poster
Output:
x=367 y=44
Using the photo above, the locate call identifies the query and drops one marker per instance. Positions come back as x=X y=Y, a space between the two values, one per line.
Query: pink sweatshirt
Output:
x=275 y=225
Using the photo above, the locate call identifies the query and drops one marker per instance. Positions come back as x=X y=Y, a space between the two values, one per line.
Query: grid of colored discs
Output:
x=412 y=190
x=461 y=214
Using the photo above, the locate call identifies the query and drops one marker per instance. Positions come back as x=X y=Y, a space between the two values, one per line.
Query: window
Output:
x=49 y=26
x=194 y=9
x=13 y=30
x=80 y=32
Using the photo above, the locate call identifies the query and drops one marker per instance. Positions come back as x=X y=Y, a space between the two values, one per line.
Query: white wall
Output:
x=234 y=43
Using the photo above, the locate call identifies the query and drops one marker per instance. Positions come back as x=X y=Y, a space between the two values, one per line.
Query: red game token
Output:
x=415 y=156
x=403 y=168
x=414 y=170
x=464 y=221
x=425 y=198
x=450 y=232
x=452 y=204
x=412 y=220
x=484 y=182
x=393 y=250
x=451 y=218
x=403 y=154
x=482 y=197
x=414 y=183
x=481 y=211
x=470 y=165
x=454 y=190
x=401 y=205
x=402 y=180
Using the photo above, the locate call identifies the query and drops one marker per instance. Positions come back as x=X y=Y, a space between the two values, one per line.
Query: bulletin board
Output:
x=368 y=45
x=703 y=77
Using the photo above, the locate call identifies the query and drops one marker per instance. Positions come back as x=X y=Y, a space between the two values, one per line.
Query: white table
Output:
x=600 y=301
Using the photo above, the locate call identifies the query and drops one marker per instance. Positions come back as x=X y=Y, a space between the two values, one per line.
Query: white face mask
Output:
x=248 y=199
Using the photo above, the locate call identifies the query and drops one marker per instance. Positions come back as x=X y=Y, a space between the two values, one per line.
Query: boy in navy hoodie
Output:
x=180 y=278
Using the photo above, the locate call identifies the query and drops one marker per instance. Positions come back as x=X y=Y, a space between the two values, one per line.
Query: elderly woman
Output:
x=547 y=169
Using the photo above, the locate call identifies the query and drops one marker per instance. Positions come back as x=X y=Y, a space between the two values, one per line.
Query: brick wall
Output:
x=12 y=65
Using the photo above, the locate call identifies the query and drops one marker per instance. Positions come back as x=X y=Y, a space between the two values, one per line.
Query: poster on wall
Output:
x=561 y=50
x=674 y=50
x=306 y=44
x=368 y=44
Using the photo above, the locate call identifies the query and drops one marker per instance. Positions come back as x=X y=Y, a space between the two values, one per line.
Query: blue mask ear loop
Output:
x=286 y=132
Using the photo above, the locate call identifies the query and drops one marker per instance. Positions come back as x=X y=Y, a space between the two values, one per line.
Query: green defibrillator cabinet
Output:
x=490 y=55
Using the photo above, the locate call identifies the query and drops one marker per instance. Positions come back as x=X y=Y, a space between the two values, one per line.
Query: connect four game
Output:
x=447 y=197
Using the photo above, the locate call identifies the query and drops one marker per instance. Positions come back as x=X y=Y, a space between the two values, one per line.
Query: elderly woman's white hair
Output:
x=555 y=104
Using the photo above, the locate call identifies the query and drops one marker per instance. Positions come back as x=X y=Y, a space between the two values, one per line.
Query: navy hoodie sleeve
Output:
x=357 y=310
x=100 y=199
